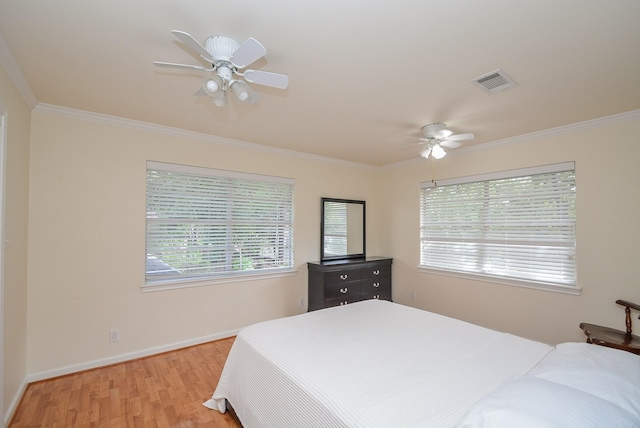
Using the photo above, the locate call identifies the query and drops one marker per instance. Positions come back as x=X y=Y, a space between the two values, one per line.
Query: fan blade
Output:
x=267 y=78
x=172 y=65
x=442 y=134
x=248 y=52
x=200 y=92
x=450 y=144
x=419 y=143
x=194 y=45
x=461 y=137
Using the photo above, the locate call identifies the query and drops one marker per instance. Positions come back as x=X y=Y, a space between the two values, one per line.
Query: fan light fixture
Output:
x=434 y=150
x=216 y=87
x=239 y=90
x=435 y=137
x=437 y=151
x=219 y=99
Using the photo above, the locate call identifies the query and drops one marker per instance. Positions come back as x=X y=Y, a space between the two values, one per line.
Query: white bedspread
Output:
x=368 y=364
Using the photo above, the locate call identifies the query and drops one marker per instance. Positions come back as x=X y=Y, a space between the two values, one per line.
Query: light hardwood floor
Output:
x=165 y=390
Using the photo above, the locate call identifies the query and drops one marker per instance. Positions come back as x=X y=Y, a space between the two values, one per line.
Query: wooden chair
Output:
x=611 y=337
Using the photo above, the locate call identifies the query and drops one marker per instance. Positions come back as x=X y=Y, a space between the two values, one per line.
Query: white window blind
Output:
x=205 y=223
x=517 y=225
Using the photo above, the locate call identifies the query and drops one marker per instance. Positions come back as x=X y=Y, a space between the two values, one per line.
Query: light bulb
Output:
x=438 y=152
x=425 y=152
x=213 y=85
x=240 y=91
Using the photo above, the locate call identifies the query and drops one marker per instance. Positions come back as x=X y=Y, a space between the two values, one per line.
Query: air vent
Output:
x=495 y=81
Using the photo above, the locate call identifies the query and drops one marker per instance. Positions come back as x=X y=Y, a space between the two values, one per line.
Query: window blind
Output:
x=518 y=225
x=208 y=223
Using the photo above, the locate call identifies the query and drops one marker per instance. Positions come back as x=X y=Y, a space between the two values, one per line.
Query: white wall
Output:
x=16 y=181
x=87 y=231
x=86 y=238
x=607 y=160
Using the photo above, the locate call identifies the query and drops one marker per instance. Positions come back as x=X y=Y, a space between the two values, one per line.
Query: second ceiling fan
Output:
x=436 y=136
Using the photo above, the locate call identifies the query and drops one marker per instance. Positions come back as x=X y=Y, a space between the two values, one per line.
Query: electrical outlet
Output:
x=301 y=302
x=413 y=295
x=114 y=336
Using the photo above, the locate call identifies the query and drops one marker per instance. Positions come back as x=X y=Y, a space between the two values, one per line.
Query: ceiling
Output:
x=364 y=75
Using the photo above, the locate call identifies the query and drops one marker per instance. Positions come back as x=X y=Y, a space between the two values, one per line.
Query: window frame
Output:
x=567 y=288
x=225 y=179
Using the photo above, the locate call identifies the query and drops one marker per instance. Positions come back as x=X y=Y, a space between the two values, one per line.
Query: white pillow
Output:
x=610 y=374
x=530 y=402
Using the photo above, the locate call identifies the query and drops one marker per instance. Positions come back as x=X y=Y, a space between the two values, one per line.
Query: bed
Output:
x=382 y=364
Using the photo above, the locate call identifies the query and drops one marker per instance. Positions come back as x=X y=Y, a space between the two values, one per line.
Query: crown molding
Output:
x=559 y=130
x=551 y=132
x=182 y=133
x=200 y=136
x=9 y=63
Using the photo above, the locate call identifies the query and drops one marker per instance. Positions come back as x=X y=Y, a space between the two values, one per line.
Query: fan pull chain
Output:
x=433 y=171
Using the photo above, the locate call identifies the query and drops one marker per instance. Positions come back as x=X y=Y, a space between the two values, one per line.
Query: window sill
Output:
x=187 y=283
x=543 y=286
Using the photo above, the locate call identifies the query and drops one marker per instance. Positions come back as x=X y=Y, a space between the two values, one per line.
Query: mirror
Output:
x=342 y=229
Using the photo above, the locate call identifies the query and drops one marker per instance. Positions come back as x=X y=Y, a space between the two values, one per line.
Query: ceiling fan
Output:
x=227 y=57
x=436 y=136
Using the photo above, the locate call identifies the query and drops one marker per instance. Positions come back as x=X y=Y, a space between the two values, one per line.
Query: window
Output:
x=516 y=227
x=206 y=223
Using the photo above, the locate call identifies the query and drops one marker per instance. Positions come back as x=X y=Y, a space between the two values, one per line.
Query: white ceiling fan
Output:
x=436 y=136
x=227 y=57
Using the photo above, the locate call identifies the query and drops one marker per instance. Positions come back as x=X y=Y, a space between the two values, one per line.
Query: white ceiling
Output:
x=364 y=74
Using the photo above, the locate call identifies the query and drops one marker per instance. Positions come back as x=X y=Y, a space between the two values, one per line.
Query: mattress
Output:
x=369 y=364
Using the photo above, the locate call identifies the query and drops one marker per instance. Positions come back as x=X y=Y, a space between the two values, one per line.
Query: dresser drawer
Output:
x=346 y=289
x=342 y=301
x=374 y=285
x=343 y=275
x=380 y=271
x=380 y=295
x=380 y=287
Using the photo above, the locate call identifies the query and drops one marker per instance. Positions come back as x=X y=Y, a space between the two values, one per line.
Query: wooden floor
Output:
x=165 y=390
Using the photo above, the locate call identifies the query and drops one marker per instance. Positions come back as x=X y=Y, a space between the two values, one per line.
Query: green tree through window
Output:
x=209 y=223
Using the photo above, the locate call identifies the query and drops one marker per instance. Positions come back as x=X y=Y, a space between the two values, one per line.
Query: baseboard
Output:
x=14 y=403
x=48 y=374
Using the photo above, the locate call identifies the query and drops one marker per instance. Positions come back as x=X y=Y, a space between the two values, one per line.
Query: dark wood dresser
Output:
x=339 y=282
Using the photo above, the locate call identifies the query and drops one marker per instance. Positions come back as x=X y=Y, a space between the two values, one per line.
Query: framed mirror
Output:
x=342 y=229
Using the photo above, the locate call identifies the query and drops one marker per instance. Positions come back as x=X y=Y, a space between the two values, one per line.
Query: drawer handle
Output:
x=343 y=303
x=344 y=276
x=344 y=290
x=377 y=296
x=376 y=272
x=376 y=284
